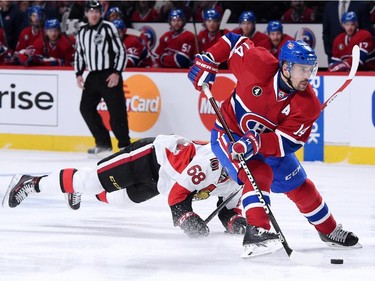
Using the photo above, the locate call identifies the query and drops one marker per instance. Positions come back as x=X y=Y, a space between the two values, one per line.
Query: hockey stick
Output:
x=132 y=31
x=223 y=204
x=224 y=19
x=306 y=259
x=353 y=71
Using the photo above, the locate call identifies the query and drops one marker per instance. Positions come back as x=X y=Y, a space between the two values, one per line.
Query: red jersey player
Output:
x=247 y=21
x=276 y=38
x=26 y=39
x=168 y=164
x=136 y=52
x=211 y=34
x=55 y=49
x=344 y=42
x=271 y=113
x=176 y=47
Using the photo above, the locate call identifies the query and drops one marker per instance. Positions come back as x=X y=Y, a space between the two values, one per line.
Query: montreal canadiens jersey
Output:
x=186 y=167
x=284 y=120
x=342 y=49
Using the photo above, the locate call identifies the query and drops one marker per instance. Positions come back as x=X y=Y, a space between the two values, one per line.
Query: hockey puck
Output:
x=337 y=261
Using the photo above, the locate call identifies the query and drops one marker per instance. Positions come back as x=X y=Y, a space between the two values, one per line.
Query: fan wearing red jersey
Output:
x=270 y=114
x=247 y=21
x=176 y=47
x=171 y=165
x=276 y=38
x=344 y=42
x=211 y=34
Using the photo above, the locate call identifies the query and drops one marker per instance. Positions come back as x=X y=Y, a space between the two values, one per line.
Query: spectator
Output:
x=104 y=79
x=55 y=49
x=333 y=11
x=167 y=6
x=247 y=21
x=176 y=47
x=276 y=38
x=136 y=52
x=298 y=12
x=201 y=6
x=25 y=48
x=212 y=33
x=12 y=21
x=144 y=12
x=344 y=43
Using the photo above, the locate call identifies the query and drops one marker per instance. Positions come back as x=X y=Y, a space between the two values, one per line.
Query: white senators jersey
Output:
x=186 y=167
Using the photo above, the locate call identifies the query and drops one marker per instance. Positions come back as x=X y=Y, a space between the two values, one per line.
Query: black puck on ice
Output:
x=337 y=261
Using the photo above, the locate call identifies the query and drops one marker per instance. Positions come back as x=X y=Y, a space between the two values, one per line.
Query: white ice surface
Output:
x=43 y=240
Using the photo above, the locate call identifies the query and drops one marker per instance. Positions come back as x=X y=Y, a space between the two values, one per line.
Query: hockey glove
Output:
x=193 y=225
x=248 y=145
x=204 y=70
x=339 y=66
x=233 y=222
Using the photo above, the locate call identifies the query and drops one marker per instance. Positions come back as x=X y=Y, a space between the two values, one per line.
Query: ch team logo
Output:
x=307 y=35
x=150 y=35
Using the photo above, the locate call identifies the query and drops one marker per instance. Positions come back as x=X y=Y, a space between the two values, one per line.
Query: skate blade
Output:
x=253 y=250
x=340 y=247
x=13 y=182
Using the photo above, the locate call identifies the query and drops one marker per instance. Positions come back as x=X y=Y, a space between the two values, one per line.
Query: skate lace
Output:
x=338 y=234
x=24 y=191
x=76 y=198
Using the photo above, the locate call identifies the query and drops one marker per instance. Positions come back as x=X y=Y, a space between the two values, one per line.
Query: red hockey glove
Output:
x=248 y=145
x=236 y=225
x=193 y=225
x=339 y=66
x=204 y=70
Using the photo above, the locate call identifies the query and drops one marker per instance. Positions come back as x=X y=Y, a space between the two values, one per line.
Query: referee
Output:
x=100 y=50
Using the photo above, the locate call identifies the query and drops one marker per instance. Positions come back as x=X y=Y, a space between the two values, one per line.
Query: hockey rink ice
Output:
x=43 y=240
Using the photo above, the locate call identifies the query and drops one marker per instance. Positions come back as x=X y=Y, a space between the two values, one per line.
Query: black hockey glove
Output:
x=193 y=225
x=233 y=222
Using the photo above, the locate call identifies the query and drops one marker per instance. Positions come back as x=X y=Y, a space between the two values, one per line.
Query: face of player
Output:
x=93 y=16
x=114 y=16
x=121 y=33
x=350 y=28
x=247 y=28
x=275 y=37
x=176 y=24
x=300 y=75
x=212 y=25
x=34 y=19
x=53 y=34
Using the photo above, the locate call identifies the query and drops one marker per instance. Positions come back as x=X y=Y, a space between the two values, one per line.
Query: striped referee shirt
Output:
x=99 y=47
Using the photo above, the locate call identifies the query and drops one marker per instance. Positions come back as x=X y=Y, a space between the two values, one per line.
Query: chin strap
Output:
x=288 y=80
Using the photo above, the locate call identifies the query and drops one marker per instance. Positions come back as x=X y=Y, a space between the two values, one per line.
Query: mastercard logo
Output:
x=143 y=103
x=222 y=89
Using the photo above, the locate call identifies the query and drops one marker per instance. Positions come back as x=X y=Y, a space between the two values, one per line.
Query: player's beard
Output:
x=302 y=85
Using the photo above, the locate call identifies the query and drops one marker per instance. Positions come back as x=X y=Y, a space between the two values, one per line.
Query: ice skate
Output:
x=340 y=238
x=99 y=152
x=19 y=188
x=259 y=241
x=73 y=200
